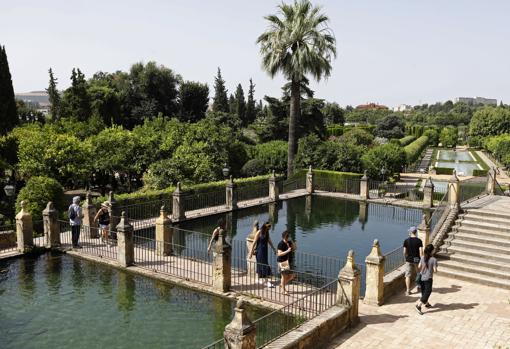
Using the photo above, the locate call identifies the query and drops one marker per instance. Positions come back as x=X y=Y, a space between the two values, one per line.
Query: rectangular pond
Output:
x=462 y=168
x=452 y=155
x=58 y=301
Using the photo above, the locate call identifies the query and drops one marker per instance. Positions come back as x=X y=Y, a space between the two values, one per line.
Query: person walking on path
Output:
x=103 y=216
x=75 y=216
x=285 y=248
x=413 y=249
x=259 y=247
x=427 y=267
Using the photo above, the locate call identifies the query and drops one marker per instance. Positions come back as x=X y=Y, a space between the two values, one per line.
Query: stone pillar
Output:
x=178 y=212
x=89 y=212
x=125 y=246
x=24 y=229
x=231 y=195
x=251 y=262
x=374 y=292
x=454 y=190
x=114 y=211
x=272 y=209
x=349 y=287
x=222 y=263
x=491 y=181
x=309 y=180
x=428 y=193
x=363 y=187
x=164 y=233
x=241 y=332
x=424 y=231
x=51 y=226
x=274 y=192
x=363 y=213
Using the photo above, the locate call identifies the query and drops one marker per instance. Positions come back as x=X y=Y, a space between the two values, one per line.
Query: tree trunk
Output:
x=295 y=109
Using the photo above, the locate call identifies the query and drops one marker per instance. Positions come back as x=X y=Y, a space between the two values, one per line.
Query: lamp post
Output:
x=9 y=190
x=383 y=172
x=225 y=170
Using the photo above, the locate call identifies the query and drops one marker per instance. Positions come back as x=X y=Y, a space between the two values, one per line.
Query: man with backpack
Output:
x=75 y=216
x=413 y=250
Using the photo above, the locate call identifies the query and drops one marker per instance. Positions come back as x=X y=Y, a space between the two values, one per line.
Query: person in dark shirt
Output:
x=285 y=248
x=413 y=250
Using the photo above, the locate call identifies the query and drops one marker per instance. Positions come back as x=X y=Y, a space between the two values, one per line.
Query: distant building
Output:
x=477 y=100
x=371 y=106
x=37 y=99
x=403 y=107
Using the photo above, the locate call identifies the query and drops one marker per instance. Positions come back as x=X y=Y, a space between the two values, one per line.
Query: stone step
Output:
x=483 y=225
x=487 y=219
x=482 y=247
x=489 y=213
x=471 y=260
x=474 y=269
x=498 y=242
x=474 y=278
x=473 y=252
x=481 y=232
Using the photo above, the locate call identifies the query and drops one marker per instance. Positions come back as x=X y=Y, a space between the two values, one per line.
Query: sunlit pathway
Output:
x=464 y=315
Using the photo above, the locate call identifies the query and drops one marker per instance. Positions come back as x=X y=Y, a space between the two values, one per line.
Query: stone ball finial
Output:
x=123 y=215
x=23 y=204
x=376 y=242
x=162 y=209
x=350 y=254
x=240 y=304
x=50 y=206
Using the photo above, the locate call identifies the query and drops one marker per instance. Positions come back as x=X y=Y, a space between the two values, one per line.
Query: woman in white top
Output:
x=426 y=267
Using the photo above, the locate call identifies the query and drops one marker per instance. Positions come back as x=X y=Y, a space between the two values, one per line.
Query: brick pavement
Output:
x=464 y=315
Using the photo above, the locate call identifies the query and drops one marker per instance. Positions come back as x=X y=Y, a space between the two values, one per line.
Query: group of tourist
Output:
x=423 y=264
x=75 y=215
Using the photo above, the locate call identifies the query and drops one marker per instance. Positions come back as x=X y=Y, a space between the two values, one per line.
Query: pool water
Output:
x=462 y=161
x=58 y=301
x=321 y=225
x=451 y=155
x=462 y=168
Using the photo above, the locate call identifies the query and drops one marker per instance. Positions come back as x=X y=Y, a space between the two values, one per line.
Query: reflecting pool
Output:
x=58 y=301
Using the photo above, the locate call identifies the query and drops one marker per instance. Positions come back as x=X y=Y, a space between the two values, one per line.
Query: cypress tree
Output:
x=250 y=104
x=240 y=104
x=54 y=97
x=220 y=103
x=8 y=113
x=232 y=104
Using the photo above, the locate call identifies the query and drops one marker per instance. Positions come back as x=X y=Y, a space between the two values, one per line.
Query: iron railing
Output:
x=472 y=189
x=337 y=185
x=250 y=192
x=438 y=216
x=499 y=190
x=146 y=210
x=394 y=260
x=8 y=241
x=209 y=201
x=290 y=185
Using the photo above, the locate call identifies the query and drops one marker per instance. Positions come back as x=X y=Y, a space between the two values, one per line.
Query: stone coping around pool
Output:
x=179 y=282
x=381 y=201
x=317 y=332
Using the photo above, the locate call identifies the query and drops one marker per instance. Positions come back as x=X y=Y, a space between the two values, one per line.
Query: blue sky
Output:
x=389 y=51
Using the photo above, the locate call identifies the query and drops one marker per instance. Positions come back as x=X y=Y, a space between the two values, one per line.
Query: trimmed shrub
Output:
x=406 y=140
x=414 y=149
x=444 y=170
x=335 y=130
x=38 y=192
x=254 y=167
x=480 y=173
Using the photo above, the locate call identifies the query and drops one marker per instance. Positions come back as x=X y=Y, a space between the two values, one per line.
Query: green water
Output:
x=57 y=301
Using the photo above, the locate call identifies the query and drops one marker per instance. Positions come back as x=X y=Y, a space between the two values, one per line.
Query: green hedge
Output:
x=166 y=194
x=414 y=149
x=480 y=173
x=444 y=170
x=406 y=140
x=346 y=182
x=335 y=130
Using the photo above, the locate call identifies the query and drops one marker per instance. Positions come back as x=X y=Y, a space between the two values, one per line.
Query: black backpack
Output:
x=71 y=212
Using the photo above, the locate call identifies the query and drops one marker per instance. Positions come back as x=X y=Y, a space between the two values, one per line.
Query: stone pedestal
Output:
x=125 y=245
x=178 y=212
x=114 y=211
x=251 y=261
x=231 y=195
x=222 y=261
x=491 y=181
x=274 y=192
x=374 y=292
x=272 y=210
x=164 y=234
x=428 y=193
x=424 y=231
x=89 y=212
x=51 y=226
x=241 y=332
x=363 y=187
x=454 y=190
x=24 y=229
x=309 y=181
x=349 y=287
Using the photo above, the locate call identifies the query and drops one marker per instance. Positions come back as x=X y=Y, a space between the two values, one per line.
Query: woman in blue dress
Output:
x=259 y=247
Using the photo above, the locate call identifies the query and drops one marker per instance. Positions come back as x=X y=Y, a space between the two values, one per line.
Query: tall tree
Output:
x=240 y=104
x=250 y=104
x=76 y=99
x=220 y=100
x=193 y=100
x=8 y=114
x=298 y=42
x=54 y=97
x=232 y=104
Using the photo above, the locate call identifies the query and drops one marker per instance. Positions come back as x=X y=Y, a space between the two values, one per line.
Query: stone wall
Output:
x=394 y=283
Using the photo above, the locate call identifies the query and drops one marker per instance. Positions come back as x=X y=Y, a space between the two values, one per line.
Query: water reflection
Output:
x=26 y=279
x=126 y=289
x=53 y=272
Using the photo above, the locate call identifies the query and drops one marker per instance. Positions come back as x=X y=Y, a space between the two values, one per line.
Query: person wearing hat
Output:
x=413 y=250
x=103 y=216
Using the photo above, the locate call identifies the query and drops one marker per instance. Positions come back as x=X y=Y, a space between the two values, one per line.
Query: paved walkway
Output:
x=464 y=315
x=502 y=176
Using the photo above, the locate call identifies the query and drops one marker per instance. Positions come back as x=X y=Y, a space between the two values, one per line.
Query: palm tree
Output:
x=298 y=42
